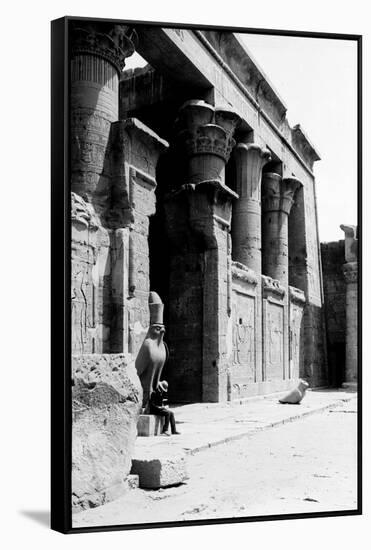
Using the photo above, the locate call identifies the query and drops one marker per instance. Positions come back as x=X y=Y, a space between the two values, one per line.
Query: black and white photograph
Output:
x=211 y=357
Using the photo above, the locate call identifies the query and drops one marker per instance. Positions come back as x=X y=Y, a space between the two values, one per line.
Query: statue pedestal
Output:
x=149 y=425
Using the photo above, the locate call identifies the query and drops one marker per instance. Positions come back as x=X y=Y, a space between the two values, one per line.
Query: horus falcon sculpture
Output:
x=153 y=352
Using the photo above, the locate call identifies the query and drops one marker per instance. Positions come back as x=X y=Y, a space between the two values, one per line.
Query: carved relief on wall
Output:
x=294 y=339
x=297 y=303
x=83 y=301
x=273 y=341
x=243 y=335
x=86 y=246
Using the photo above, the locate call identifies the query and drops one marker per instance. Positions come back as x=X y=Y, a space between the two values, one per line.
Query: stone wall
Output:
x=229 y=336
x=334 y=286
x=106 y=401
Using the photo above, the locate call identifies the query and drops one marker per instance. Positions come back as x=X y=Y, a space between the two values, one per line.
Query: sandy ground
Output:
x=305 y=466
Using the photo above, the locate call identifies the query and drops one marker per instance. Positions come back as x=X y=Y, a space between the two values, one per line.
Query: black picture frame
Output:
x=61 y=402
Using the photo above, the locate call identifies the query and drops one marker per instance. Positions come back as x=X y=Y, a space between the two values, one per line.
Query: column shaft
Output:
x=278 y=196
x=351 y=300
x=246 y=219
x=98 y=55
x=198 y=223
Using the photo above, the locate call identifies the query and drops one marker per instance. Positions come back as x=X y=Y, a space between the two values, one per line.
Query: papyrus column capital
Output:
x=250 y=159
x=205 y=137
x=114 y=43
x=278 y=193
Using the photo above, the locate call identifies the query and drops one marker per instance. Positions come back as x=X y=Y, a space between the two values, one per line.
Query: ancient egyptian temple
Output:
x=187 y=180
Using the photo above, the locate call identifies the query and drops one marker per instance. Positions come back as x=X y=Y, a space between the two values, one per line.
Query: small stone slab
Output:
x=157 y=470
x=149 y=425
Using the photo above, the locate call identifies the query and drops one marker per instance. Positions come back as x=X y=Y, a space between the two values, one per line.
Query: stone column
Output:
x=246 y=242
x=98 y=52
x=246 y=221
x=98 y=56
x=278 y=197
x=198 y=220
x=351 y=278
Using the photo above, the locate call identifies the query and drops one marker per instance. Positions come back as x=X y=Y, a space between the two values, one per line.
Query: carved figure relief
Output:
x=274 y=340
x=243 y=334
x=294 y=335
x=82 y=308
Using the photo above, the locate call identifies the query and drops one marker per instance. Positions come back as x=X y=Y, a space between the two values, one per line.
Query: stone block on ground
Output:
x=106 y=402
x=150 y=424
x=159 y=468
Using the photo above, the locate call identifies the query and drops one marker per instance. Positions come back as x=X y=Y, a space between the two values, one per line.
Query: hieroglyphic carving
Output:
x=243 y=350
x=296 y=314
x=83 y=305
x=274 y=341
x=84 y=286
x=240 y=388
x=244 y=331
x=83 y=212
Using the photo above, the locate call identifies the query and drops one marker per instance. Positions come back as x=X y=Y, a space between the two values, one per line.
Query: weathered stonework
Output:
x=246 y=226
x=245 y=356
x=334 y=287
x=278 y=197
x=351 y=279
x=217 y=215
x=340 y=268
x=296 y=332
x=158 y=469
x=106 y=401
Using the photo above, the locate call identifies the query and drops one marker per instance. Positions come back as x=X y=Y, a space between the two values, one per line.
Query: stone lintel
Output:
x=103 y=39
x=350 y=271
x=296 y=295
x=272 y=286
x=243 y=273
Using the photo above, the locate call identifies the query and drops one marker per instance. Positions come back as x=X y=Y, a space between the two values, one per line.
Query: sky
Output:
x=317 y=80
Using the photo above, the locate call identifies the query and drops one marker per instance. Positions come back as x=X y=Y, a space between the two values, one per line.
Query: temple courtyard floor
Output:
x=252 y=459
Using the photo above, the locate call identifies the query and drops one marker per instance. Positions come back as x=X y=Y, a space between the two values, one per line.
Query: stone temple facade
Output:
x=187 y=180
